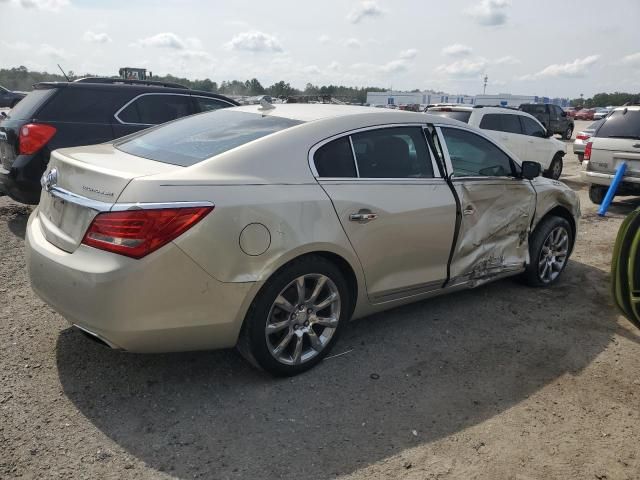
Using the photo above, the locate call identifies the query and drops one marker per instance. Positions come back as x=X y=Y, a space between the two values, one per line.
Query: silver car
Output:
x=270 y=227
x=582 y=138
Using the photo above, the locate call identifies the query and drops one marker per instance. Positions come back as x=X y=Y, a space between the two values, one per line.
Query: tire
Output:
x=555 y=169
x=580 y=157
x=292 y=327
x=554 y=232
x=568 y=133
x=597 y=194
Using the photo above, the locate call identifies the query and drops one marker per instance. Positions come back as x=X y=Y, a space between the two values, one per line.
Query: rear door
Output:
x=396 y=209
x=149 y=109
x=505 y=129
x=497 y=207
x=616 y=141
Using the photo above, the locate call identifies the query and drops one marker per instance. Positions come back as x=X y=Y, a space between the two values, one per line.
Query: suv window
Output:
x=399 y=152
x=82 y=105
x=474 y=156
x=620 y=124
x=193 y=139
x=29 y=105
x=462 y=116
x=532 y=128
x=335 y=159
x=153 y=109
x=501 y=122
x=206 y=104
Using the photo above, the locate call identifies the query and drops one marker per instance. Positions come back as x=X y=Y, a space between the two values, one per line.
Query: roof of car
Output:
x=309 y=112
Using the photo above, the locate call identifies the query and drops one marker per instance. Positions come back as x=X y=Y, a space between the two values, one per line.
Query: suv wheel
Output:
x=597 y=193
x=549 y=249
x=568 y=133
x=555 y=169
x=296 y=317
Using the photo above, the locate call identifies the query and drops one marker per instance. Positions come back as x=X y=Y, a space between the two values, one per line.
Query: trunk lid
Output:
x=608 y=153
x=82 y=181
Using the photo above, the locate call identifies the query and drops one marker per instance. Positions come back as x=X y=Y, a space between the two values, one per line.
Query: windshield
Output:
x=462 y=116
x=190 y=140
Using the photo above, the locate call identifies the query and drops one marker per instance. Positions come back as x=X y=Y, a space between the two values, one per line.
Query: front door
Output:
x=497 y=207
x=398 y=212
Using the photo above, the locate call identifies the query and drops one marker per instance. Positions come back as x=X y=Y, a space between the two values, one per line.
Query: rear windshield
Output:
x=461 y=116
x=29 y=105
x=621 y=124
x=192 y=139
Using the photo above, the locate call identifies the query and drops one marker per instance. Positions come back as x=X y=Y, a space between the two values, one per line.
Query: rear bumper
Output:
x=596 y=178
x=579 y=146
x=163 y=302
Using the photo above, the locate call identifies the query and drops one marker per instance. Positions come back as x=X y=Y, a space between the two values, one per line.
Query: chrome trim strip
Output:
x=117 y=117
x=99 y=337
x=99 y=206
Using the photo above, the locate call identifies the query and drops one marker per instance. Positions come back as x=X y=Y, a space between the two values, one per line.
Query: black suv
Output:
x=552 y=117
x=87 y=111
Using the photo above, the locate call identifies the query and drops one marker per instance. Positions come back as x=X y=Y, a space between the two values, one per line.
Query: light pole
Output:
x=484 y=90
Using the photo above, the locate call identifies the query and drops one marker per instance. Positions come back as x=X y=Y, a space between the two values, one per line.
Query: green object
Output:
x=625 y=268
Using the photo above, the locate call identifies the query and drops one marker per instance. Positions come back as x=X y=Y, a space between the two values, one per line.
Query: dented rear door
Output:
x=496 y=207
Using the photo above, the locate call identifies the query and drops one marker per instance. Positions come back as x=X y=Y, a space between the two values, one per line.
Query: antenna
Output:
x=265 y=105
x=65 y=75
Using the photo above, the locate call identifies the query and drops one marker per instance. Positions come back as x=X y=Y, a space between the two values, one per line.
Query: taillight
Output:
x=136 y=233
x=34 y=136
x=583 y=136
x=587 y=151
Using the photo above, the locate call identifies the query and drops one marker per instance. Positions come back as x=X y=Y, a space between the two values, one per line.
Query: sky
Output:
x=556 y=48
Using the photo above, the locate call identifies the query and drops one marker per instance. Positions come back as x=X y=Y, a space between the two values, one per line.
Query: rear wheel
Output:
x=581 y=157
x=297 y=317
x=597 y=193
x=549 y=249
x=555 y=169
x=568 y=133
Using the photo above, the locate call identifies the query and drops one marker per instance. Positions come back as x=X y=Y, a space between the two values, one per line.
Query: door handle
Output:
x=637 y=145
x=469 y=210
x=363 y=216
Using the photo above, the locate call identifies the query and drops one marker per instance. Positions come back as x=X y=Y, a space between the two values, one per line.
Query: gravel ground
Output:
x=499 y=382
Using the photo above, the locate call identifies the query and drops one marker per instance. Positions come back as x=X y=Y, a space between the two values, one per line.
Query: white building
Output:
x=411 y=98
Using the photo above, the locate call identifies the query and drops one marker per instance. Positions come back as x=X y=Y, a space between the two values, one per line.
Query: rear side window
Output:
x=206 y=104
x=193 y=139
x=86 y=105
x=399 y=152
x=501 y=122
x=532 y=128
x=620 y=124
x=460 y=116
x=154 y=109
x=335 y=159
x=29 y=105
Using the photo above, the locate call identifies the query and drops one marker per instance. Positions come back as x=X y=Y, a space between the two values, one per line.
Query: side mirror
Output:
x=564 y=114
x=548 y=134
x=531 y=170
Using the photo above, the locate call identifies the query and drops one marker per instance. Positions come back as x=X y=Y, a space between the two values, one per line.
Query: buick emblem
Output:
x=50 y=180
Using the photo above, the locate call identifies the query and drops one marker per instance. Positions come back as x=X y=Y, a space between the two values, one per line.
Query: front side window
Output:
x=399 y=152
x=532 y=128
x=474 y=156
x=156 y=109
x=335 y=159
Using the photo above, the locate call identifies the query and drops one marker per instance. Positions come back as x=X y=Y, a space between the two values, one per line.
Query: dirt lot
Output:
x=502 y=382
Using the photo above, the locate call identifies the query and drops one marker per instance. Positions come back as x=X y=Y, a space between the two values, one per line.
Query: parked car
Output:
x=518 y=131
x=552 y=117
x=601 y=112
x=8 y=98
x=616 y=140
x=269 y=227
x=582 y=139
x=585 y=114
x=93 y=110
x=571 y=111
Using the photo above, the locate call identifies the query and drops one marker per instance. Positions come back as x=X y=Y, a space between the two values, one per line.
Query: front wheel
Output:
x=549 y=249
x=555 y=169
x=296 y=317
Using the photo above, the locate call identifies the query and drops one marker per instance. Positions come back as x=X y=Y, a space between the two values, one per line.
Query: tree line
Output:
x=606 y=99
x=21 y=78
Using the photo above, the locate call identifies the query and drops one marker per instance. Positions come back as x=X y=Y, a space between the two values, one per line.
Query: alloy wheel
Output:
x=553 y=255
x=302 y=319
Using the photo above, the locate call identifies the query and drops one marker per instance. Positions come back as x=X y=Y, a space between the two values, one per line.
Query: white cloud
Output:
x=312 y=69
x=457 y=50
x=395 y=66
x=633 y=60
x=15 y=45
x=51 y=51
x=490 y=12
x=254 y=41
x=93 y=37
x=506 y=60
x=353 y=43
x=463 y=68
x=52 y=5
x=578 y=68
x=195 y=55
x=334 y=66
x=366 y=9
x=408 y=54
x=324 y=39
x=163 y=40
